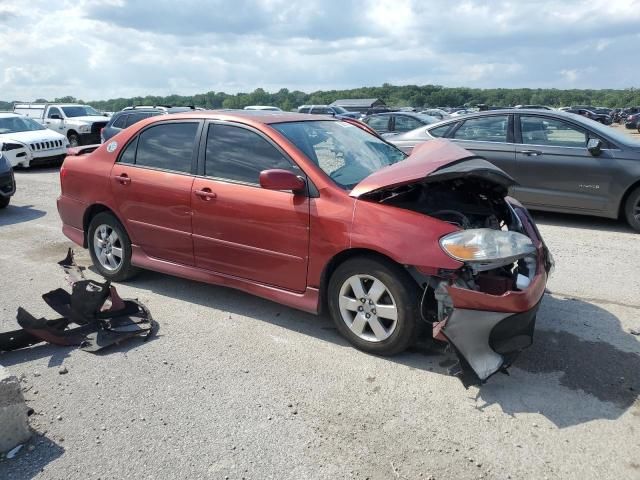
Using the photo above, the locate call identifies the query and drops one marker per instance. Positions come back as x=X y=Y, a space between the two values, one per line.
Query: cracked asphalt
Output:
x=238 y=387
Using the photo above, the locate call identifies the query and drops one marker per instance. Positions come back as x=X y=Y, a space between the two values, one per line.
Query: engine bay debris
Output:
x=93 y=316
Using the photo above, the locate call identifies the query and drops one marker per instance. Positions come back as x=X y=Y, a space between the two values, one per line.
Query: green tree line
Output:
x=394 y=95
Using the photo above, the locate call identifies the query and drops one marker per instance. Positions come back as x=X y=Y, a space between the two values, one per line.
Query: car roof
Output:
x=266 y=117
x=9 y=114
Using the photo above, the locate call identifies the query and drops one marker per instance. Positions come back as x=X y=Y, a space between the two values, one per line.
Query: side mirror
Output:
x=55 y=116
x=277 y=179
x=594 y=145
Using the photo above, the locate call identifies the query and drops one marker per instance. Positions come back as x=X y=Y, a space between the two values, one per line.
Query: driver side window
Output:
x=54 y=111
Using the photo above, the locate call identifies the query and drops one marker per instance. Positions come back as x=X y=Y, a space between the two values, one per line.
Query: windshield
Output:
x=340 y=110
x=426 y=119
x=18 y=124
x=343 y=151
x=80 y=111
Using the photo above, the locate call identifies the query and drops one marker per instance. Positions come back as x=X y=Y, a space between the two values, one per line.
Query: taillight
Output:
x=63 y=173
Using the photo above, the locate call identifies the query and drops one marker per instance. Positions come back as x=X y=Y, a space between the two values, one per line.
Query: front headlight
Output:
x=486 y=245
x=84 y=128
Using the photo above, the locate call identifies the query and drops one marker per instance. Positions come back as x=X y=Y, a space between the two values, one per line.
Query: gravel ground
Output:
x=238 y=387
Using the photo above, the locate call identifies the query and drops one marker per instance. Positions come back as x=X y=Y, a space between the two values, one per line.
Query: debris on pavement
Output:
x=14 y=451
x=634 y=331
x=102 y=317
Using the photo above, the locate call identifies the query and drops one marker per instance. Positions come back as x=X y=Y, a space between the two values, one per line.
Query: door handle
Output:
x=123 y=179
x=531 y=153
x=205 y=194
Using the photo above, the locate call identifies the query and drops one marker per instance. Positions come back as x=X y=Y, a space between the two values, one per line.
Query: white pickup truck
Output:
x=81 y=124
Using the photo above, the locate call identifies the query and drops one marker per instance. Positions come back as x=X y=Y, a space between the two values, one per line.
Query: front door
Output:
x=555 y=169
x=239 y=228
x=151 y=184
x=56 y=124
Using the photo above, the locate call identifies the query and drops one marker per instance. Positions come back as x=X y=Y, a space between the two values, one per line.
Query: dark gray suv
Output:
x=562 y=162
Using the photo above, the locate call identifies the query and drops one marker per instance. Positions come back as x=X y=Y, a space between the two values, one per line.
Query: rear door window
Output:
x=120 y=122
x=493 y=128
x=404 y=123
x=136 y=117
x=238 y=154
x=167 y=146
x=380 y=123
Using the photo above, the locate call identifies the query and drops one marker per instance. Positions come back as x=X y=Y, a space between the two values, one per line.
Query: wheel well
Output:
x=624 y=198
x=91 y=212
x=70 y=132
x=336 y=261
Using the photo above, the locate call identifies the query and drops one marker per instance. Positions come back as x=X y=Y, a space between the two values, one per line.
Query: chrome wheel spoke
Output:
x=390 y=312
x=376 y=290
x=378 y=330
x=117 y=252
x=350 y=304
x=356 y=286
x=112 y=261
x=358 y=324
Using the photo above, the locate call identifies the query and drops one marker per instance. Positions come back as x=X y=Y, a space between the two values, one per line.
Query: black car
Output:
x=591 y=114
x=397 y=122
x=632 y=121
x=334 y=110
x=130 y=115
x=7 y=181
x=562 y=162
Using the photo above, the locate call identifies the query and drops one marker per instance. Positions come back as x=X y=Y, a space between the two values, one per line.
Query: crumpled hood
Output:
x=88 y=119
x=435 y=160
x=33 y=136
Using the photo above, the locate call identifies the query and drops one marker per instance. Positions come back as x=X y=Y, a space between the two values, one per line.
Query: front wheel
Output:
x=375 y=305
x=632 y=209
x=74 y=139
x=110 y=248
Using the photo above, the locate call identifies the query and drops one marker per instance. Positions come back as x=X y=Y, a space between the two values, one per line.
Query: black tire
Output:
x=74 y=139
x=124 y=270
x=632 y=209
x=402 y=288
x=4 y=202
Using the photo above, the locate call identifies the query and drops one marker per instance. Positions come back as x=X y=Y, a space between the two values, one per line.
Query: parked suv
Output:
x=130 y=115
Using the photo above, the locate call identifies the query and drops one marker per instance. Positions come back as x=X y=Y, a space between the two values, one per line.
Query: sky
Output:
x=95 y=50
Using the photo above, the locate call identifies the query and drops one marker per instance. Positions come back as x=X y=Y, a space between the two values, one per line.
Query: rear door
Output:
x=151 y=183
x=489 y=136
x=555 y=169
x=239 y=228
x=380 y=123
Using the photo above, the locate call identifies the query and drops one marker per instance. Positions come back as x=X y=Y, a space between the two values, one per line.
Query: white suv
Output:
x=25 y=142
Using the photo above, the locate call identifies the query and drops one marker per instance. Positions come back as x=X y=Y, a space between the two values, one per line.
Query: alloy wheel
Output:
x=368 y=308
x=107 y=246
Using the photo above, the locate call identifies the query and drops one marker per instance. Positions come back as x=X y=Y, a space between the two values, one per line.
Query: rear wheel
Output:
x=110 y=248
x=632 y=209
x=4 y=202
x=375 y=305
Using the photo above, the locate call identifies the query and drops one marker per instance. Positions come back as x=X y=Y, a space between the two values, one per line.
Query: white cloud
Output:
x=125 y=48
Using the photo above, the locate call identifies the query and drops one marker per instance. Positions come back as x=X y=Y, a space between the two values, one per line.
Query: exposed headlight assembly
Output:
x=8 y=146
x=84 y=128
x=487 y=246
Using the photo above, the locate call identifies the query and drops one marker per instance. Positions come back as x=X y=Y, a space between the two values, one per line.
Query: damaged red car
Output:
x=318 y=214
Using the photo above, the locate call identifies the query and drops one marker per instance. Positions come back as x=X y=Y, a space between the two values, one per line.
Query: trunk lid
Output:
x=435 y=160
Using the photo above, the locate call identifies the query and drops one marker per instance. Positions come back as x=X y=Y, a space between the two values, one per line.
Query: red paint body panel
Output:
x=252 y=233
x=407 y=237
x=425 y=159
x=307 y=301
x=155 y=207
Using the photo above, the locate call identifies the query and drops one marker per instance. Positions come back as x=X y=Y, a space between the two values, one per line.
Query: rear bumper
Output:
x=71 y=213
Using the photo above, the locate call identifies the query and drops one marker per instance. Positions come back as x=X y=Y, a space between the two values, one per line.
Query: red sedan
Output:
x=318 y=214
